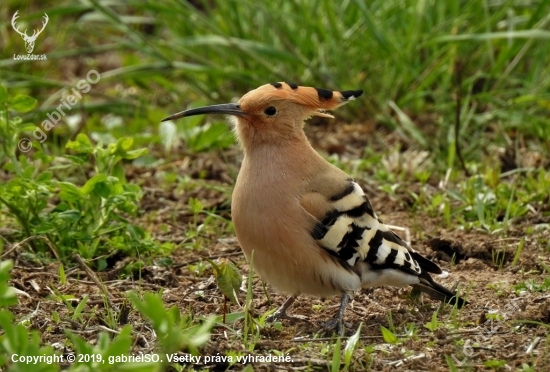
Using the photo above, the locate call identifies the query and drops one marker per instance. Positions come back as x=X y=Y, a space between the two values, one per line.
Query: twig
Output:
x=400 y=362
x=93 y=277
x=31 y=238
x=88 y=331
x=533 y=345
x=35 y=285
x=484 y=348
x=107 y=329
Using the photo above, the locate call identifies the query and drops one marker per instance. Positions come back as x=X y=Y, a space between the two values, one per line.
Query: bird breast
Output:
x=270 y=222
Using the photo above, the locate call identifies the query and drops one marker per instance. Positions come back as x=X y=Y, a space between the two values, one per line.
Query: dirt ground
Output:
x=487 y=329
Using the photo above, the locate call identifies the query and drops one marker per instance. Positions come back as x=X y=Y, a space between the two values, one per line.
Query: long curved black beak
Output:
x=226 y=108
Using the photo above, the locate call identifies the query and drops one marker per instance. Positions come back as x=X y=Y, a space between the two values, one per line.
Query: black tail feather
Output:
x=439 y=292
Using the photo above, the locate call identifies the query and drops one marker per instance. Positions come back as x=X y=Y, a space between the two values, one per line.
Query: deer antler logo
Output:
x=29 y=40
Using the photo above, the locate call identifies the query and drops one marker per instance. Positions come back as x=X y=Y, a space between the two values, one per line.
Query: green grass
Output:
x=460 y=85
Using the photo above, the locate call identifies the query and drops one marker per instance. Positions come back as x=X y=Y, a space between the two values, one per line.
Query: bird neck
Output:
x=278 y=161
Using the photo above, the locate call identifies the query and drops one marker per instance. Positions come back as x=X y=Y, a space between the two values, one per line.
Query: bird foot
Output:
x=280 y=313
x=335 y=325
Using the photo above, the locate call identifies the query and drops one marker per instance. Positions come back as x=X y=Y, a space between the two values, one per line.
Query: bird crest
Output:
x=318 y=99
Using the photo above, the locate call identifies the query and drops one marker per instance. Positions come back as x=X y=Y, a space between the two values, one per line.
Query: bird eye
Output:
x=270 y=111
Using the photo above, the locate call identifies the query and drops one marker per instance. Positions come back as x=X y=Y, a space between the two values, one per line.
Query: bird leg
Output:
x=280 y=313
x=336 y=324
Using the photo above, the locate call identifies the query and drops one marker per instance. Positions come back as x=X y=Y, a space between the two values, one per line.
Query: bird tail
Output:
x=439 y=292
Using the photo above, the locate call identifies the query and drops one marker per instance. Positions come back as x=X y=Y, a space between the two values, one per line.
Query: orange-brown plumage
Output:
x=307 y=97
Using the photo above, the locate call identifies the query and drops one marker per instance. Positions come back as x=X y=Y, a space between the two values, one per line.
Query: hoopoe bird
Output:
x=310 y=226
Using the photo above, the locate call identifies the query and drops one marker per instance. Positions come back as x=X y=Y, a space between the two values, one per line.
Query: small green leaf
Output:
x=23 y=103
x=45 y=228
x=136 y=232
x=195 y=205
x=75 y=159
x=79 y=308
x=125 y=143
x=231 y=317
x=118 y=172
x=44 y=176
x=90 y=185
x=494 y=363
x=351 y=345
x=79 y=344
x=336 y=357
x=165 y=261
x=121 y=344
x=7 y=296
x=199 y=334
x=101 y=264
x=122 y=149
x=102 y=189
x=5 y=267
x=151 y=307
x=175 y=315
x=134 y=154
x=62 y=277
x=228 y=278
x=432 y=325
x=69 y=192
x=81 y=144
x=69 y=216
x=389 y=336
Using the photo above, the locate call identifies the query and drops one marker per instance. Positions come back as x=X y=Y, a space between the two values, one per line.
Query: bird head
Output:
x=275 y=112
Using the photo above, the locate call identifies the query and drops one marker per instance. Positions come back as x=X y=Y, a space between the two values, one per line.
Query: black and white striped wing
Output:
x=352 y=231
